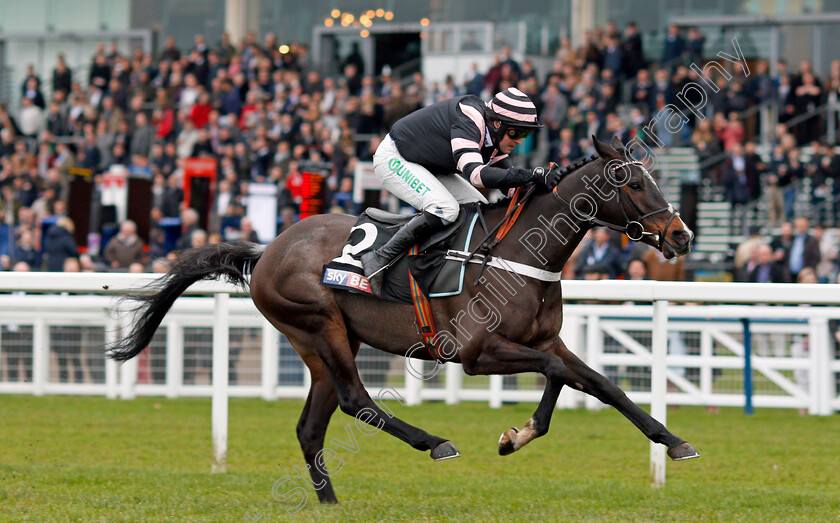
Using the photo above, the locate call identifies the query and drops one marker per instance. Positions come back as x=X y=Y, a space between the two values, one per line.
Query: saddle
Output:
x=436 y=275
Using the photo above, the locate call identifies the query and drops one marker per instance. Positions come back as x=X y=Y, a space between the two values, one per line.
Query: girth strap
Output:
x=506 y=265
x=423 y=313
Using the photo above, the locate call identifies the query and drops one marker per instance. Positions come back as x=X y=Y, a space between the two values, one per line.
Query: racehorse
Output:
x=326 y=326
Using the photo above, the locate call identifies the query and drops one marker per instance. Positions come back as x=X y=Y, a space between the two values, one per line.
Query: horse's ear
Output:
x=616 y=144
x=604 y=151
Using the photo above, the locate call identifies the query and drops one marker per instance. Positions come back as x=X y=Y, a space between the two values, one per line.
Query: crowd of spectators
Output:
x=799 y=253
x=264 y=114
x=777 y=180
x=795 y=163
x=604 y=254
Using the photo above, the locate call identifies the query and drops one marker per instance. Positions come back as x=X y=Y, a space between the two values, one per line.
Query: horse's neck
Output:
x=545 y=235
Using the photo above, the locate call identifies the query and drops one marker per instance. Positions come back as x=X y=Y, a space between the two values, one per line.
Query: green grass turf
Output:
x=93 y=459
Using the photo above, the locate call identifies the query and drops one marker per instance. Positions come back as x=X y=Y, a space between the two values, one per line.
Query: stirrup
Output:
x=378 y=271
x=377 y=278
x=387 y=266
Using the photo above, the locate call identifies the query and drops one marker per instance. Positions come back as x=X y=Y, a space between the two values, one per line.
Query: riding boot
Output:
x=415 y=231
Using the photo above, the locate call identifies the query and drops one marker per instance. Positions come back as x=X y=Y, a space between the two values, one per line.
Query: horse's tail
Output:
x=229 y=260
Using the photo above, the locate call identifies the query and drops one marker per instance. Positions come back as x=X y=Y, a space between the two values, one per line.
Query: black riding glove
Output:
x=548 y=178
x=495 y=178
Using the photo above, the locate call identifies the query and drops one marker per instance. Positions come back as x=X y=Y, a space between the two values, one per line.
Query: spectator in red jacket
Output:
x=164 y=121
x=200 y=111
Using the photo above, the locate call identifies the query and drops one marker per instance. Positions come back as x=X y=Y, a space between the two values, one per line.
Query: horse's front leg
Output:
x=499 y=355
x=582 y=377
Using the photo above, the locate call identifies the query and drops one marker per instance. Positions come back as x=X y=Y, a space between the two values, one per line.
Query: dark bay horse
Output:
x=519 y=333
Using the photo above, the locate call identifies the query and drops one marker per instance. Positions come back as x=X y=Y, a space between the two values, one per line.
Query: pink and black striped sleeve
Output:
x=467 y=135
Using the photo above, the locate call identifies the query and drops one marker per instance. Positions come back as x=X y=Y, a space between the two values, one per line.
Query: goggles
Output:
x=518 y=133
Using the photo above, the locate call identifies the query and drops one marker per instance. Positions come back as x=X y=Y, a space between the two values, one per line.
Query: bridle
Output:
x=632 y=228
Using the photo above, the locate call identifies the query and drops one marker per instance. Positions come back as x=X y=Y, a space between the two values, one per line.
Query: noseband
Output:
x=632 y=228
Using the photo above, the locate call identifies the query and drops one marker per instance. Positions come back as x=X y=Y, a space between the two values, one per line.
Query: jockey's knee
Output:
x=448 y=213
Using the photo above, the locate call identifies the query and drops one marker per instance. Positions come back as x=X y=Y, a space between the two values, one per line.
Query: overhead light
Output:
x=329 y=22
x=364 y=33
x=364 y=19
x=335 y=13
x=424 y=21
x=370 y=13
x=380 y=13
x=283 y=49
x=389 y=15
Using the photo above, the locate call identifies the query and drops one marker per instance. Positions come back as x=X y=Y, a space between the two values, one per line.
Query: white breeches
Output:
x=417 y=186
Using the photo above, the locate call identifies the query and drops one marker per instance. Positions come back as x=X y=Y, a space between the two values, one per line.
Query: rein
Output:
x=500 y=230
x=632 y=228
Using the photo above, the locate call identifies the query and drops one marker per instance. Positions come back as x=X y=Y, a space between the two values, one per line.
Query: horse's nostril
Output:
x=681 y=237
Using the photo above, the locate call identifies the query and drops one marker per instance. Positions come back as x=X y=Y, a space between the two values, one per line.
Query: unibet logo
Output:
x=407 y=176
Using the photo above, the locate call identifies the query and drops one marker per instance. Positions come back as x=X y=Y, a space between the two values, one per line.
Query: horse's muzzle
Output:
x=677 y=243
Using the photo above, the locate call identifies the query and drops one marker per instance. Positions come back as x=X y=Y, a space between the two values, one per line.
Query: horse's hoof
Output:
x=445 y=450
x=506 y=442
x=681 y=452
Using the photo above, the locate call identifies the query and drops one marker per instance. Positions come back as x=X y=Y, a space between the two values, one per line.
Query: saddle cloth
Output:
x=436 y=275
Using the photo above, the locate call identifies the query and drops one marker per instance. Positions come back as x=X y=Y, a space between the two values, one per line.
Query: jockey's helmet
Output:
x=516 y=112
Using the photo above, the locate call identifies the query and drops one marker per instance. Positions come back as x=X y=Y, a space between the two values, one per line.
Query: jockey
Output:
x=429 y=156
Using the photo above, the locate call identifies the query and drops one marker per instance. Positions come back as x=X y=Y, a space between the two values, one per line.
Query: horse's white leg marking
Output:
x=519 y=438
x=525 y=435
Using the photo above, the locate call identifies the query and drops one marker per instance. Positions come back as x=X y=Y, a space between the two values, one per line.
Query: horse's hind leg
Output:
x=333 y=347
x=312 y=427
x=582 y=377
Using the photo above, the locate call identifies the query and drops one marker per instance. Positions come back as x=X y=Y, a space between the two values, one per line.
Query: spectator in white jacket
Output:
x=31 y=119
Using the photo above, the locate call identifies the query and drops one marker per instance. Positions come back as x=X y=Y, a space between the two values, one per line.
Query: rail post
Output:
x=706 y=374
x=40 y=356
x=413 y=381
x=496 y=386
x=594 y=349
x=748 y=384
x=454 y=382
x=270 y=360
x=174 y=358
x=128 y=369
x=128 y=379
x=572 y=335
x=659 y=387
x=220 y=381
x=111 y=366
x=821 y=379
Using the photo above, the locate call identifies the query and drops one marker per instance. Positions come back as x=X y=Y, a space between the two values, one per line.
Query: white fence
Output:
x=53 y=344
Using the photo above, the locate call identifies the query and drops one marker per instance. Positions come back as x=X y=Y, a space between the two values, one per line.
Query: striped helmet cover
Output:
x=513 y=107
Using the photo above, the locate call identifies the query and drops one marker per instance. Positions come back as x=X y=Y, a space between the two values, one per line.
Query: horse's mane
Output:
x=569 y=169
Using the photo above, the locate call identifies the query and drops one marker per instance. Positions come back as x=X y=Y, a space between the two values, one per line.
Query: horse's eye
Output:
x=636 y=186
